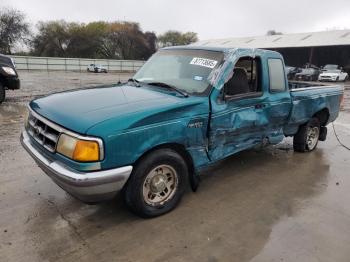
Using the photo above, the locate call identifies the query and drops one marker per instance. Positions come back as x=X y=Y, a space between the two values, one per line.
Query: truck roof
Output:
x=223 y=49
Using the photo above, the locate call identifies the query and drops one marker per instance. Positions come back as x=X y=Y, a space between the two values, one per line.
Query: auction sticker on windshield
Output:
x=203 y=62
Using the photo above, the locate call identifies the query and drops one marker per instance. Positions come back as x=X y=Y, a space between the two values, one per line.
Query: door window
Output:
x=245 y=78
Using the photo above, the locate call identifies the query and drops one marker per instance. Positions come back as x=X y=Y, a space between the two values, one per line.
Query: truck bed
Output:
x=309 y=99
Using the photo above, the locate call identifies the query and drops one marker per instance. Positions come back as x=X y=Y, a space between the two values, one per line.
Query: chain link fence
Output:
x=74 y=64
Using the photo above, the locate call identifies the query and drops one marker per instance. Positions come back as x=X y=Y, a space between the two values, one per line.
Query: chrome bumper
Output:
x=89 y=186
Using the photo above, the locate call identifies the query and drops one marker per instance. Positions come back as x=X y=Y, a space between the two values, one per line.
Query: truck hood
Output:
x=124 y=107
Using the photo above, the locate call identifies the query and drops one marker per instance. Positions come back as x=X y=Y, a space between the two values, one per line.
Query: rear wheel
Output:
x=306 y=139
x=2 y=93
x=156 y=184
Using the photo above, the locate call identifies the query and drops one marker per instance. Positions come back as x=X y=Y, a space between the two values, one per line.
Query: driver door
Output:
x=237 y=120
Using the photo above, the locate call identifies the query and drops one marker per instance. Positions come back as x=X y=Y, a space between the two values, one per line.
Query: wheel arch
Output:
x=323 y=116
x=178 y=148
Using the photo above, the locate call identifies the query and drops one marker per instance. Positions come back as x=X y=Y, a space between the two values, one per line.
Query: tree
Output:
x=115 y=40
x=125 y=40
x=13 y=29
x=52 y=39
x=173 y=38
x=273 y=32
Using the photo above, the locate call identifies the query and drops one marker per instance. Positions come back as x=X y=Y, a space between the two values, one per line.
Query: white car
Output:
x=96 y=68
x=334 y=75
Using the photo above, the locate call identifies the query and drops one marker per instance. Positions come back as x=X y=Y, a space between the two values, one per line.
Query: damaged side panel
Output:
x=246 y=121
x=232 y=132
x=307 y=102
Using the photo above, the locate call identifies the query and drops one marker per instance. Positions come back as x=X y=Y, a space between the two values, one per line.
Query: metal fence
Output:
x=74 y=64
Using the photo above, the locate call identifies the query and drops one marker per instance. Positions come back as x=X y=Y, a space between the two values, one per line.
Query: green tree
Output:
x=125 y=40
x=52 y=39
x=13 y=29
x=174 y=38
x=115 y=40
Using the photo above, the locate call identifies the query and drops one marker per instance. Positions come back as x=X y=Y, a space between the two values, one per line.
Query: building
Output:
x=319 y=48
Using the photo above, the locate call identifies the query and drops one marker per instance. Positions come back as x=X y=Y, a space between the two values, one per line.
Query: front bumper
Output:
x=303 y=78
x=12 y=83
x=327 y=79
x=89 y=186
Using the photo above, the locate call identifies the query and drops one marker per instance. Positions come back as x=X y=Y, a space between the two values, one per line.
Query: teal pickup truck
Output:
x=185 y=109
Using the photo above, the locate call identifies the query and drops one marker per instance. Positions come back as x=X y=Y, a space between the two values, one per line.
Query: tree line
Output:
x=100 y=39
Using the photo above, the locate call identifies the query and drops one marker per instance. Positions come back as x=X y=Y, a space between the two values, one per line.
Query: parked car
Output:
x=333 y=75
x=8 y=76
x=291 y=71
x=307 y=74
x=330 y=67
x=96 y=68
x=168 y=123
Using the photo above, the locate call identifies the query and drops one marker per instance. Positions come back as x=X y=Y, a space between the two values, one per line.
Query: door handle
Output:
x=260 y=106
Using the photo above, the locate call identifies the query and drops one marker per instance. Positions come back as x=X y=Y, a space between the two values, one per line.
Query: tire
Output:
x=157 y=183
x=336 y=80
x=2 y=93
x=306 y=139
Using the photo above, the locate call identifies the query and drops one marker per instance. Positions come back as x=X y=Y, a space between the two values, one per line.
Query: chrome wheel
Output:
x=312 y=137
x=160 y=185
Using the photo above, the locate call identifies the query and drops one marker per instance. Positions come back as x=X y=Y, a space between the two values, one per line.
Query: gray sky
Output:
x=209 y=18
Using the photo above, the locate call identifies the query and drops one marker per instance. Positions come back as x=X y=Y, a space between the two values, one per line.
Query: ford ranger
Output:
x=185 y=109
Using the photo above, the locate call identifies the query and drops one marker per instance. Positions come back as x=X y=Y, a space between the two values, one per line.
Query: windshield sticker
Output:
x=203 y=62
x=198 y=78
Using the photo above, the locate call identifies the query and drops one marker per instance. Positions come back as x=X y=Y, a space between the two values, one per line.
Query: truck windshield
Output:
x=184 y=69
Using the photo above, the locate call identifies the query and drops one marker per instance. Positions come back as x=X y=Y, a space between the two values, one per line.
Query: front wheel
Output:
x=306 y=139
x=2 y=93
x=157 y=183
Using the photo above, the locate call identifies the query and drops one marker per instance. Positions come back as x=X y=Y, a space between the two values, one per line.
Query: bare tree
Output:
x=273 y=32
x=13 y=29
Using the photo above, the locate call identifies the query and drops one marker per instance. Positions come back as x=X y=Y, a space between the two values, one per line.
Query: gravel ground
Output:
x=38 y=83
x=260 y=205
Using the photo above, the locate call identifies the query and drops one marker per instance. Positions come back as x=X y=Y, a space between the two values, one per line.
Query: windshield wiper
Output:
x=135 y=81
x=161 y=84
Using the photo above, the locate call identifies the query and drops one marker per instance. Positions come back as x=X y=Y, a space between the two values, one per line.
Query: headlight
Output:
x=9 y=70
x=78 y=149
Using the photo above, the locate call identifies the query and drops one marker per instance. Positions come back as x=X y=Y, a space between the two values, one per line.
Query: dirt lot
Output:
x=260 y=205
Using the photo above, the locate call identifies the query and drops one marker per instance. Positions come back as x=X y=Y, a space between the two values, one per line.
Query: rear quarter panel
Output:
x=306 y=102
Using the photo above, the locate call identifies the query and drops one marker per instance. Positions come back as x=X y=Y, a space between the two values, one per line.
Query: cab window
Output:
x=276 y=75
x=245 y=78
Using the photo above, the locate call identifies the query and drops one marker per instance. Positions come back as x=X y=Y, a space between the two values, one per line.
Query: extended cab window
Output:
x=245 y=78
x=276 y=74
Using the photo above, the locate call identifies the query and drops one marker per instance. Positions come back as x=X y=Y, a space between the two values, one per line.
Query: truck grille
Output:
x=43 y=133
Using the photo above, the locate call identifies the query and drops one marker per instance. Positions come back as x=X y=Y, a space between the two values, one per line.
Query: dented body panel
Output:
x=308 y=101
x=132 y=120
